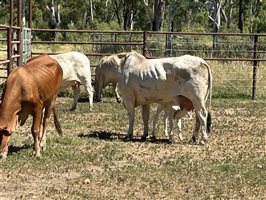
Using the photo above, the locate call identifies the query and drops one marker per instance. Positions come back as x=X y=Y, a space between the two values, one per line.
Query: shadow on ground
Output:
x=14 y=149
x=105 y=135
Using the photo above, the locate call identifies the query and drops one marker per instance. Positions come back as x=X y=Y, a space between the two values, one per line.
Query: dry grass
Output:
x=91 y=160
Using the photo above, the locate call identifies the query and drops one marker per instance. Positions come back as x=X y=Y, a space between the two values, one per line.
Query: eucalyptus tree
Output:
x=125 y=11
x=54 y=9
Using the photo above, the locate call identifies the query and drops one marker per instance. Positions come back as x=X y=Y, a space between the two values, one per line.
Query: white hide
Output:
x=171 y=113
x=76 y=71
x=145 y=81
x=107 y=71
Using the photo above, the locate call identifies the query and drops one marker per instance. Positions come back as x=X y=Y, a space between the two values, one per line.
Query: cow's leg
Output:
x=201 y=124
x=115 y=89
x=195 y=131
x=202 y=115
x=155 y=119
x=98 y=88
x=171 y=124
x=35 y=129
x=3 y=146
x=131 y=117
x=46 y=116
x=179 y=127
x=89 y=91
x=76 y=89
x=178 y=115
x=145 y=117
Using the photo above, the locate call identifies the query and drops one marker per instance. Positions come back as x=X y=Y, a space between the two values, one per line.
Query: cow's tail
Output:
x=209 y=90
x=209 y=95
x=57 y=123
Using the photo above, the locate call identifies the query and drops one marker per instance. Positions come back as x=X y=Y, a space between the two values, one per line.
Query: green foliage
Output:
x=187 y=15
x=260 y=20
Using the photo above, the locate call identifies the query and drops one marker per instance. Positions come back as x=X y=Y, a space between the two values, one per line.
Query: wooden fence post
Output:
x=255 y=64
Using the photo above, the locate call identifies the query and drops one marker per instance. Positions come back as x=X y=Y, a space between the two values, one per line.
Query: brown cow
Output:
x=30 y=89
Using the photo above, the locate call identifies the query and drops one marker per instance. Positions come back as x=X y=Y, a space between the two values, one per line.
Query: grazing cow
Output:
x=145 y=81
x=76 y=71
x=108 y=71
x=30 y=89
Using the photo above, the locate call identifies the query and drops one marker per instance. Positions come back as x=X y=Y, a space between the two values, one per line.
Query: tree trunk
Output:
x=241 y=16
x=54 y=9
x=217 y=16
x=158 y=11
x=230 y=11
x=91 y=10
x=117 y=13
x=128 y=15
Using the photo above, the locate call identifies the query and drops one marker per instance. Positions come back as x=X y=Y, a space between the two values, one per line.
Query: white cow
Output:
x=145 y=81
x=108 y=71
x=76 y=71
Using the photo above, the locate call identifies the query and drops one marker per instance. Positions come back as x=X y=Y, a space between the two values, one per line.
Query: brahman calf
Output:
x=30 y=89
x=176 y=112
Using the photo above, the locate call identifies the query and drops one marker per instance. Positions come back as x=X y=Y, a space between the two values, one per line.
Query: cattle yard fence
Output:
x=239 y=59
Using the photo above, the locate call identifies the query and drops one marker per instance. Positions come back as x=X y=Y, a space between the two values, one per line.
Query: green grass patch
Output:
x=91 y=160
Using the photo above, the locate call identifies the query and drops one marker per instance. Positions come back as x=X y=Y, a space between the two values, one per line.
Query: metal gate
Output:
x=26 y=35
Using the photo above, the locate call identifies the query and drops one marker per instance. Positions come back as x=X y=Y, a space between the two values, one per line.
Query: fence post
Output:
x=10 y=37
x=20 y=34
x=255 y=64
x=144 y=48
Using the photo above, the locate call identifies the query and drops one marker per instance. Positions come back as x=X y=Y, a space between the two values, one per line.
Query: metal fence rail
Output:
x=225 y=47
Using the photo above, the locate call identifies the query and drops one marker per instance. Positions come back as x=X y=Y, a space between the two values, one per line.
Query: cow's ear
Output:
x=122 y=55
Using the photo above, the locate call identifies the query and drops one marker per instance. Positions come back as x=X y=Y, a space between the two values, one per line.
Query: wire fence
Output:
x=237 y=60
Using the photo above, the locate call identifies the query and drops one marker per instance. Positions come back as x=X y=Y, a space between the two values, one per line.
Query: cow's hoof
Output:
x=128 y=138
x=180 y=138
x=37 y=155
x=118 y=100
x=153 y=138
x=3 y=157
x=43 y=146
x=202 y=142
x=192 y=140
x=143 y=138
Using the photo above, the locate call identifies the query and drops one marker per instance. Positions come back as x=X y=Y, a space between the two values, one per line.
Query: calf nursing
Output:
x=146 y=81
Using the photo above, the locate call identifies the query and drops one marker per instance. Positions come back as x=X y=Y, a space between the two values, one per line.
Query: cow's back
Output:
x=44 y=76
x=108 y=69
x=160 y=80
x=36 y=81
x=75 y=66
